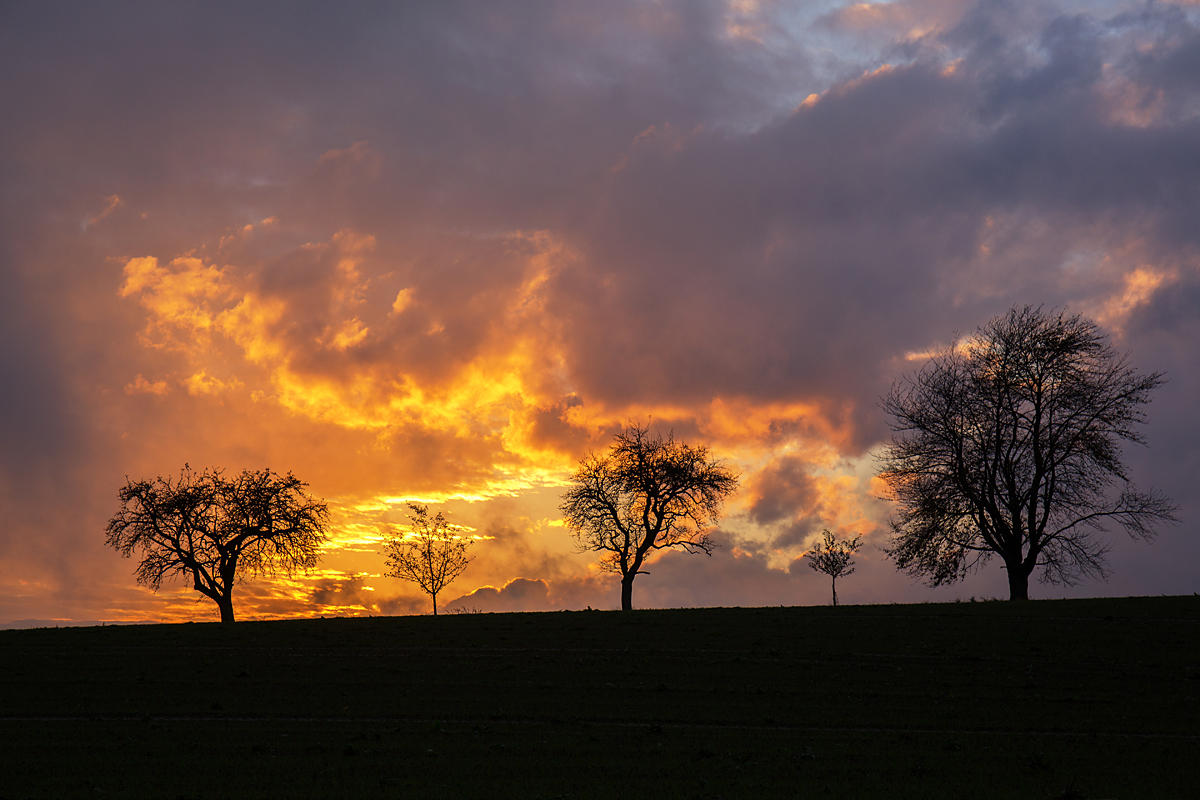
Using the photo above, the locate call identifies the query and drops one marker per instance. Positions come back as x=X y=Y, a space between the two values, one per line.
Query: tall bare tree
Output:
x=1008 y=444
x=431 y=555
x=217 y=531
x=834 y=557
x=647 y=493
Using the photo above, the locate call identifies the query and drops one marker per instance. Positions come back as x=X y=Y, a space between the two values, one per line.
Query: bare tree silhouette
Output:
x=647 y=493
x=431 y=555
x=217 y=531
x=834 y=557
x=1007 y=445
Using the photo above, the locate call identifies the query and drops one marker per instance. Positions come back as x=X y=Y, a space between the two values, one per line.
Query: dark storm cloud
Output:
x=803 y=257
x=519 y=594
x=699 y=229
x=782 y=490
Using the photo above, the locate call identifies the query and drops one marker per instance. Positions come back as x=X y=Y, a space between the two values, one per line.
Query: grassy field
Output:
x=1048 y=699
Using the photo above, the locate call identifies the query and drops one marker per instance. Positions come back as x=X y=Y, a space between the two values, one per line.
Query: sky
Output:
x=441 y=252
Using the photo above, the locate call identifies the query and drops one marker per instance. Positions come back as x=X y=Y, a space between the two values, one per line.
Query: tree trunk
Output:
x=1018 y=583
x=228 y=572
x=627 y=592
x=835 y=591
x=433 y=596
x=225 y=603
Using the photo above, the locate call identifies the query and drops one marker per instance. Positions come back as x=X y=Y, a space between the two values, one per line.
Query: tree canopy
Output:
x=216 y=531
x=647 y=493
x=1008 y=444
x=431 y=555
x=834 y=557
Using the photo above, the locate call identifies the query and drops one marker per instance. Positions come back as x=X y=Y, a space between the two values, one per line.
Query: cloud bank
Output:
x=440 y=253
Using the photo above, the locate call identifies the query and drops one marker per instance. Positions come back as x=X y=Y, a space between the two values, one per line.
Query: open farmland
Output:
x=1050 y=699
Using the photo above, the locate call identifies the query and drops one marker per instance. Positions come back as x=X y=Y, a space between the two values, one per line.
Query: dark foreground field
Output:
x=1049 y=699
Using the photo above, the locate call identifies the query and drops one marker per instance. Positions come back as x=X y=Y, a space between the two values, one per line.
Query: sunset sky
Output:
x=438 y=252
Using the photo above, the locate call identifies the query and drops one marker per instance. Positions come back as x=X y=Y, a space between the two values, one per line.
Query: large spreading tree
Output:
x=647 y=493
x=216 y=531
x=1009 y=444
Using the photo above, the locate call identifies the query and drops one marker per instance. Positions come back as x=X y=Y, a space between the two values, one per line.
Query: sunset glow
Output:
x=439 y=255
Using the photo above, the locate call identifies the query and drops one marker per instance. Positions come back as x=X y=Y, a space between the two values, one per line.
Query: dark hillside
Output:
x=1078 y=698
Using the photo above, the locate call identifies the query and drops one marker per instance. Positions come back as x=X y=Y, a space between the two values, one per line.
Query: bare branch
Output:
x=432 y=555
x=1009 y=444
x=647 y=493
x=215 y=531
x=834 y=557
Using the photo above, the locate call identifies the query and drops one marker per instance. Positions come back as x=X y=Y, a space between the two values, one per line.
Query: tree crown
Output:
x=832 y=556
x=432 y=555
x=1007 y=444
x=648 y=492
x=218 y=530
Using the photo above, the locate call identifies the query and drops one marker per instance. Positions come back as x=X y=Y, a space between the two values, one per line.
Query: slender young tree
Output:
x=430 y=555
x=834 y=557
x=647 y=493
x=216 y=531
x=1008 y=444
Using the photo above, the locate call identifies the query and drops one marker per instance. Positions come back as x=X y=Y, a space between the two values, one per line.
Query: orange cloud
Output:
x=323 y=358
x=404 y=299
x=203 y=383
x=319 y=334
x=179 y=297
x=142 y=386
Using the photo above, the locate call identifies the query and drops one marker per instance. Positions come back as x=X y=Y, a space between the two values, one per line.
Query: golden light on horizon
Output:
x=442 y=260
